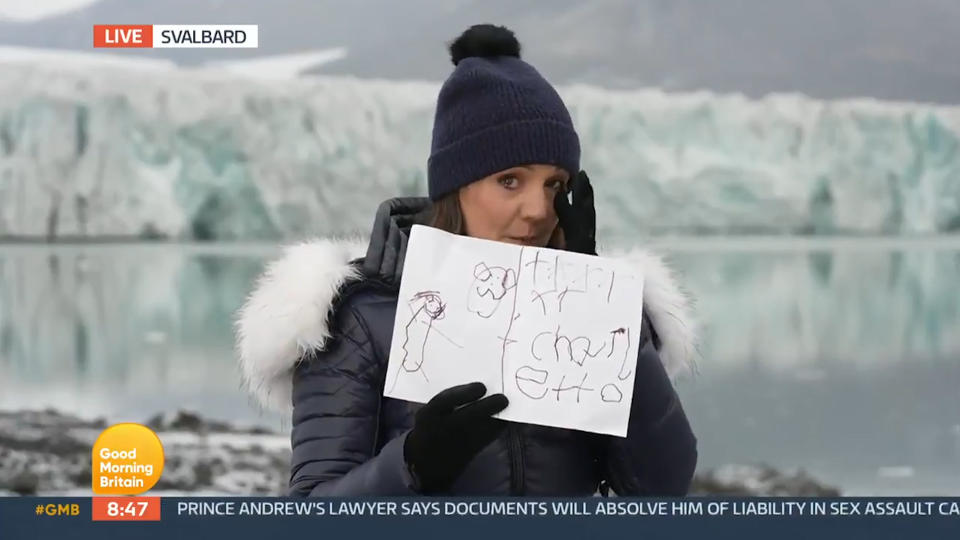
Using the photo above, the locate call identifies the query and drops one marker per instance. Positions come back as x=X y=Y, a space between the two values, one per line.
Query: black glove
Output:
x=448 y=431
x=579 y=219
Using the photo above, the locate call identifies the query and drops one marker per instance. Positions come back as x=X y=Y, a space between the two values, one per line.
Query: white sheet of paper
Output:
x=557 y=332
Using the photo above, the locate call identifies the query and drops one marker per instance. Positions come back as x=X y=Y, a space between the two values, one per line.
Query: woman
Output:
x=317 y=330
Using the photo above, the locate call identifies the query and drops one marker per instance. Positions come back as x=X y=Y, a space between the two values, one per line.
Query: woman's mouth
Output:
x=523 y=240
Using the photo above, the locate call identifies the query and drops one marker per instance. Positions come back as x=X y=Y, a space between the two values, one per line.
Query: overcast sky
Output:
x=31 y=10
x=890 y=49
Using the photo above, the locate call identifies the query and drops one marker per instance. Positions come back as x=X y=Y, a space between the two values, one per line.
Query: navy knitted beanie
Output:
x=494 y=112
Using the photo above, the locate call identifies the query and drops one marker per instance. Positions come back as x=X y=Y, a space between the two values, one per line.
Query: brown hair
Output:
x=445 y=214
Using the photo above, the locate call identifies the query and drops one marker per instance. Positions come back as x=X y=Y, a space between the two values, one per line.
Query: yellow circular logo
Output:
x=127 y=460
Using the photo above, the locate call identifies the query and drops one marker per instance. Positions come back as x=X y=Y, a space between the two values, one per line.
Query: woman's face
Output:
x=514 y=205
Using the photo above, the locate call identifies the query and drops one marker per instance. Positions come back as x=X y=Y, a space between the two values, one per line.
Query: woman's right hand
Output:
x=578 y=219
x=448 y=431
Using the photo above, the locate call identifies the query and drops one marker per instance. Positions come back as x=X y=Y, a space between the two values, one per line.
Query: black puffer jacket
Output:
x=347 y=438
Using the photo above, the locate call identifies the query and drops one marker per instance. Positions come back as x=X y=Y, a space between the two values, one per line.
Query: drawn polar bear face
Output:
x=488 y=288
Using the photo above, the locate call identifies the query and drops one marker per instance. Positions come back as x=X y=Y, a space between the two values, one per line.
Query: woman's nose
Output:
x=537 y=206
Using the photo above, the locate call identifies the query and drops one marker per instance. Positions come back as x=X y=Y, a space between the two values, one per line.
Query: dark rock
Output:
x=189 y=421
x=203 y=472
x=759 y=480
x=155 y=422
x=24 y=483
x=82 y=476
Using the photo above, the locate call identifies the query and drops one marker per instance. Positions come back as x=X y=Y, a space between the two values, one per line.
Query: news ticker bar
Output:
x=883 y=517
x=130 y=508
x=176 y=36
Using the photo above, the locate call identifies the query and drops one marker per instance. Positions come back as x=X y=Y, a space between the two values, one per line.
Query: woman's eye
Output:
x=557 y=185
x=509 y=182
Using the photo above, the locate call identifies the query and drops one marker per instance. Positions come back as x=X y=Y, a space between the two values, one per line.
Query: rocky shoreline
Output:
x=48 y=453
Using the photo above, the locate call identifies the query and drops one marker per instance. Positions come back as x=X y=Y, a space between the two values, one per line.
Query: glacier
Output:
x=96 y=151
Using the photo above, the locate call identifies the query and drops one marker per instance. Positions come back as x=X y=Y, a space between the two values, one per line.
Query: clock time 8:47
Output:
x=133 y=509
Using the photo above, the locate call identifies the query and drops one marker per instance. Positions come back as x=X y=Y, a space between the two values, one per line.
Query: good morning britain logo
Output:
x=173 y=36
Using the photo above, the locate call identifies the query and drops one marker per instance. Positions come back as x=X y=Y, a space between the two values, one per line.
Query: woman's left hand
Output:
x=579 y=218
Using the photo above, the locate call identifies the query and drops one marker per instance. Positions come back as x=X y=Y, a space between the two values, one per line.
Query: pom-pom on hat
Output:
x=494 y=112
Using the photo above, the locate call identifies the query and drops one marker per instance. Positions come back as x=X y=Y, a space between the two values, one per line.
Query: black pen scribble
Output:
x=552 y=282
x=578 y=387
x=530 y=374
x=618 y=332
x=555 y=281
x=553 y=348
x=560 y=299
x=506 y=340
x=533 y=345
x=626 y=354
x=606 y=396
x=613 y=276
x=573 y=349
x=431 y=305
x=513 y=313
x=535 y=262
x=441 y=334
x=543 y=303
x=576 y=349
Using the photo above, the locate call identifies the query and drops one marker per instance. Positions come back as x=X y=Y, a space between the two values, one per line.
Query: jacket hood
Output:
x=388 y=241
x=288 y=312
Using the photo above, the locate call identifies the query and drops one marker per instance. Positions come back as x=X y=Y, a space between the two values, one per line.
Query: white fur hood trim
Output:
x=286 y=315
